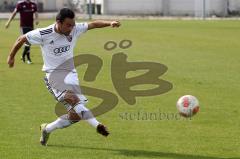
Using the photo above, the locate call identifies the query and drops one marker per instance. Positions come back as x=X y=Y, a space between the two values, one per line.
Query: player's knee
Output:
x=71 y=98
x=73 y=116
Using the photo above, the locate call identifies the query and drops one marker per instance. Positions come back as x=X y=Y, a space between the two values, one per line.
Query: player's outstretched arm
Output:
x=36 y=18
x=102 y=24
x=11 y=18
x=18 y=44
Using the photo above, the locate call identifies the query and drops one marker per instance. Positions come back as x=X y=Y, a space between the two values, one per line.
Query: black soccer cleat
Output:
x=101 y=129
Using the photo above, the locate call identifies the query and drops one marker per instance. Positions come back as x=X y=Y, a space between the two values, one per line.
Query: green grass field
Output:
x=202 y=59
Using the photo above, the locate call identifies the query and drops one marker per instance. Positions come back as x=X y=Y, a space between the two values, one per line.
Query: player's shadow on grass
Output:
x=143 y=153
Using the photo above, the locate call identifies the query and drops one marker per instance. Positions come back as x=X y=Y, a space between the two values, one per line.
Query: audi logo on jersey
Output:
x=58 y=51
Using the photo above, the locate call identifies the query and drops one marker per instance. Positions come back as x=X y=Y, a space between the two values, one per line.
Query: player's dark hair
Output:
x=65 y=13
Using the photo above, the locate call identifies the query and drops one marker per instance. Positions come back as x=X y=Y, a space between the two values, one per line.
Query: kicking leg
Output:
x=80 y=112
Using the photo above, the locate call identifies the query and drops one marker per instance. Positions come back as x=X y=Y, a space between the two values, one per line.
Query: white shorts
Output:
x=58 y=86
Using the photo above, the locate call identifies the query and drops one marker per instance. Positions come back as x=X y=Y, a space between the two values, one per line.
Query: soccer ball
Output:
x=188 y=105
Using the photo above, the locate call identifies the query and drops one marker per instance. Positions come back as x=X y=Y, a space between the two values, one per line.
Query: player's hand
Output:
x=7 y=25
x=115 y=24
x=36 y=22
x=10 y=61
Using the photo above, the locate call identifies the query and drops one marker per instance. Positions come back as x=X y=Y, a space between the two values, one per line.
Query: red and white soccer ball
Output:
x=188 y=105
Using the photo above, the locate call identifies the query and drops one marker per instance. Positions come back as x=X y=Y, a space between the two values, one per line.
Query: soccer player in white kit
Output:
x=57 y=42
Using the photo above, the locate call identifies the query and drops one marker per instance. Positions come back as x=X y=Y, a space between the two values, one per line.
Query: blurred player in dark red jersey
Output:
x=26 y=8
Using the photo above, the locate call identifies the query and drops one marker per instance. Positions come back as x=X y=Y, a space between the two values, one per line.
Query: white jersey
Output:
x=56 y=48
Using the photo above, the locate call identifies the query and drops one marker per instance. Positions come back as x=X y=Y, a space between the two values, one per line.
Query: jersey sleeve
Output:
x=18 y=7
x=34 y=37
x=81 y=28
x=35 y=7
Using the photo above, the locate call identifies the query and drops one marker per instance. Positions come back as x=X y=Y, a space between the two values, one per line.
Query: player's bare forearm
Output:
x=102 y=24
x=18 y=44
x=11 y=18
x=36 y=18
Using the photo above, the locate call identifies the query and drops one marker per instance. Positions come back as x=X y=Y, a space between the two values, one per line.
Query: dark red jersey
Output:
x=26 y=10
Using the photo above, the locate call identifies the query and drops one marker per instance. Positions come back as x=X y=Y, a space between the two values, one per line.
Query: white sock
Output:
x=86 y=114
x=61 y=122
